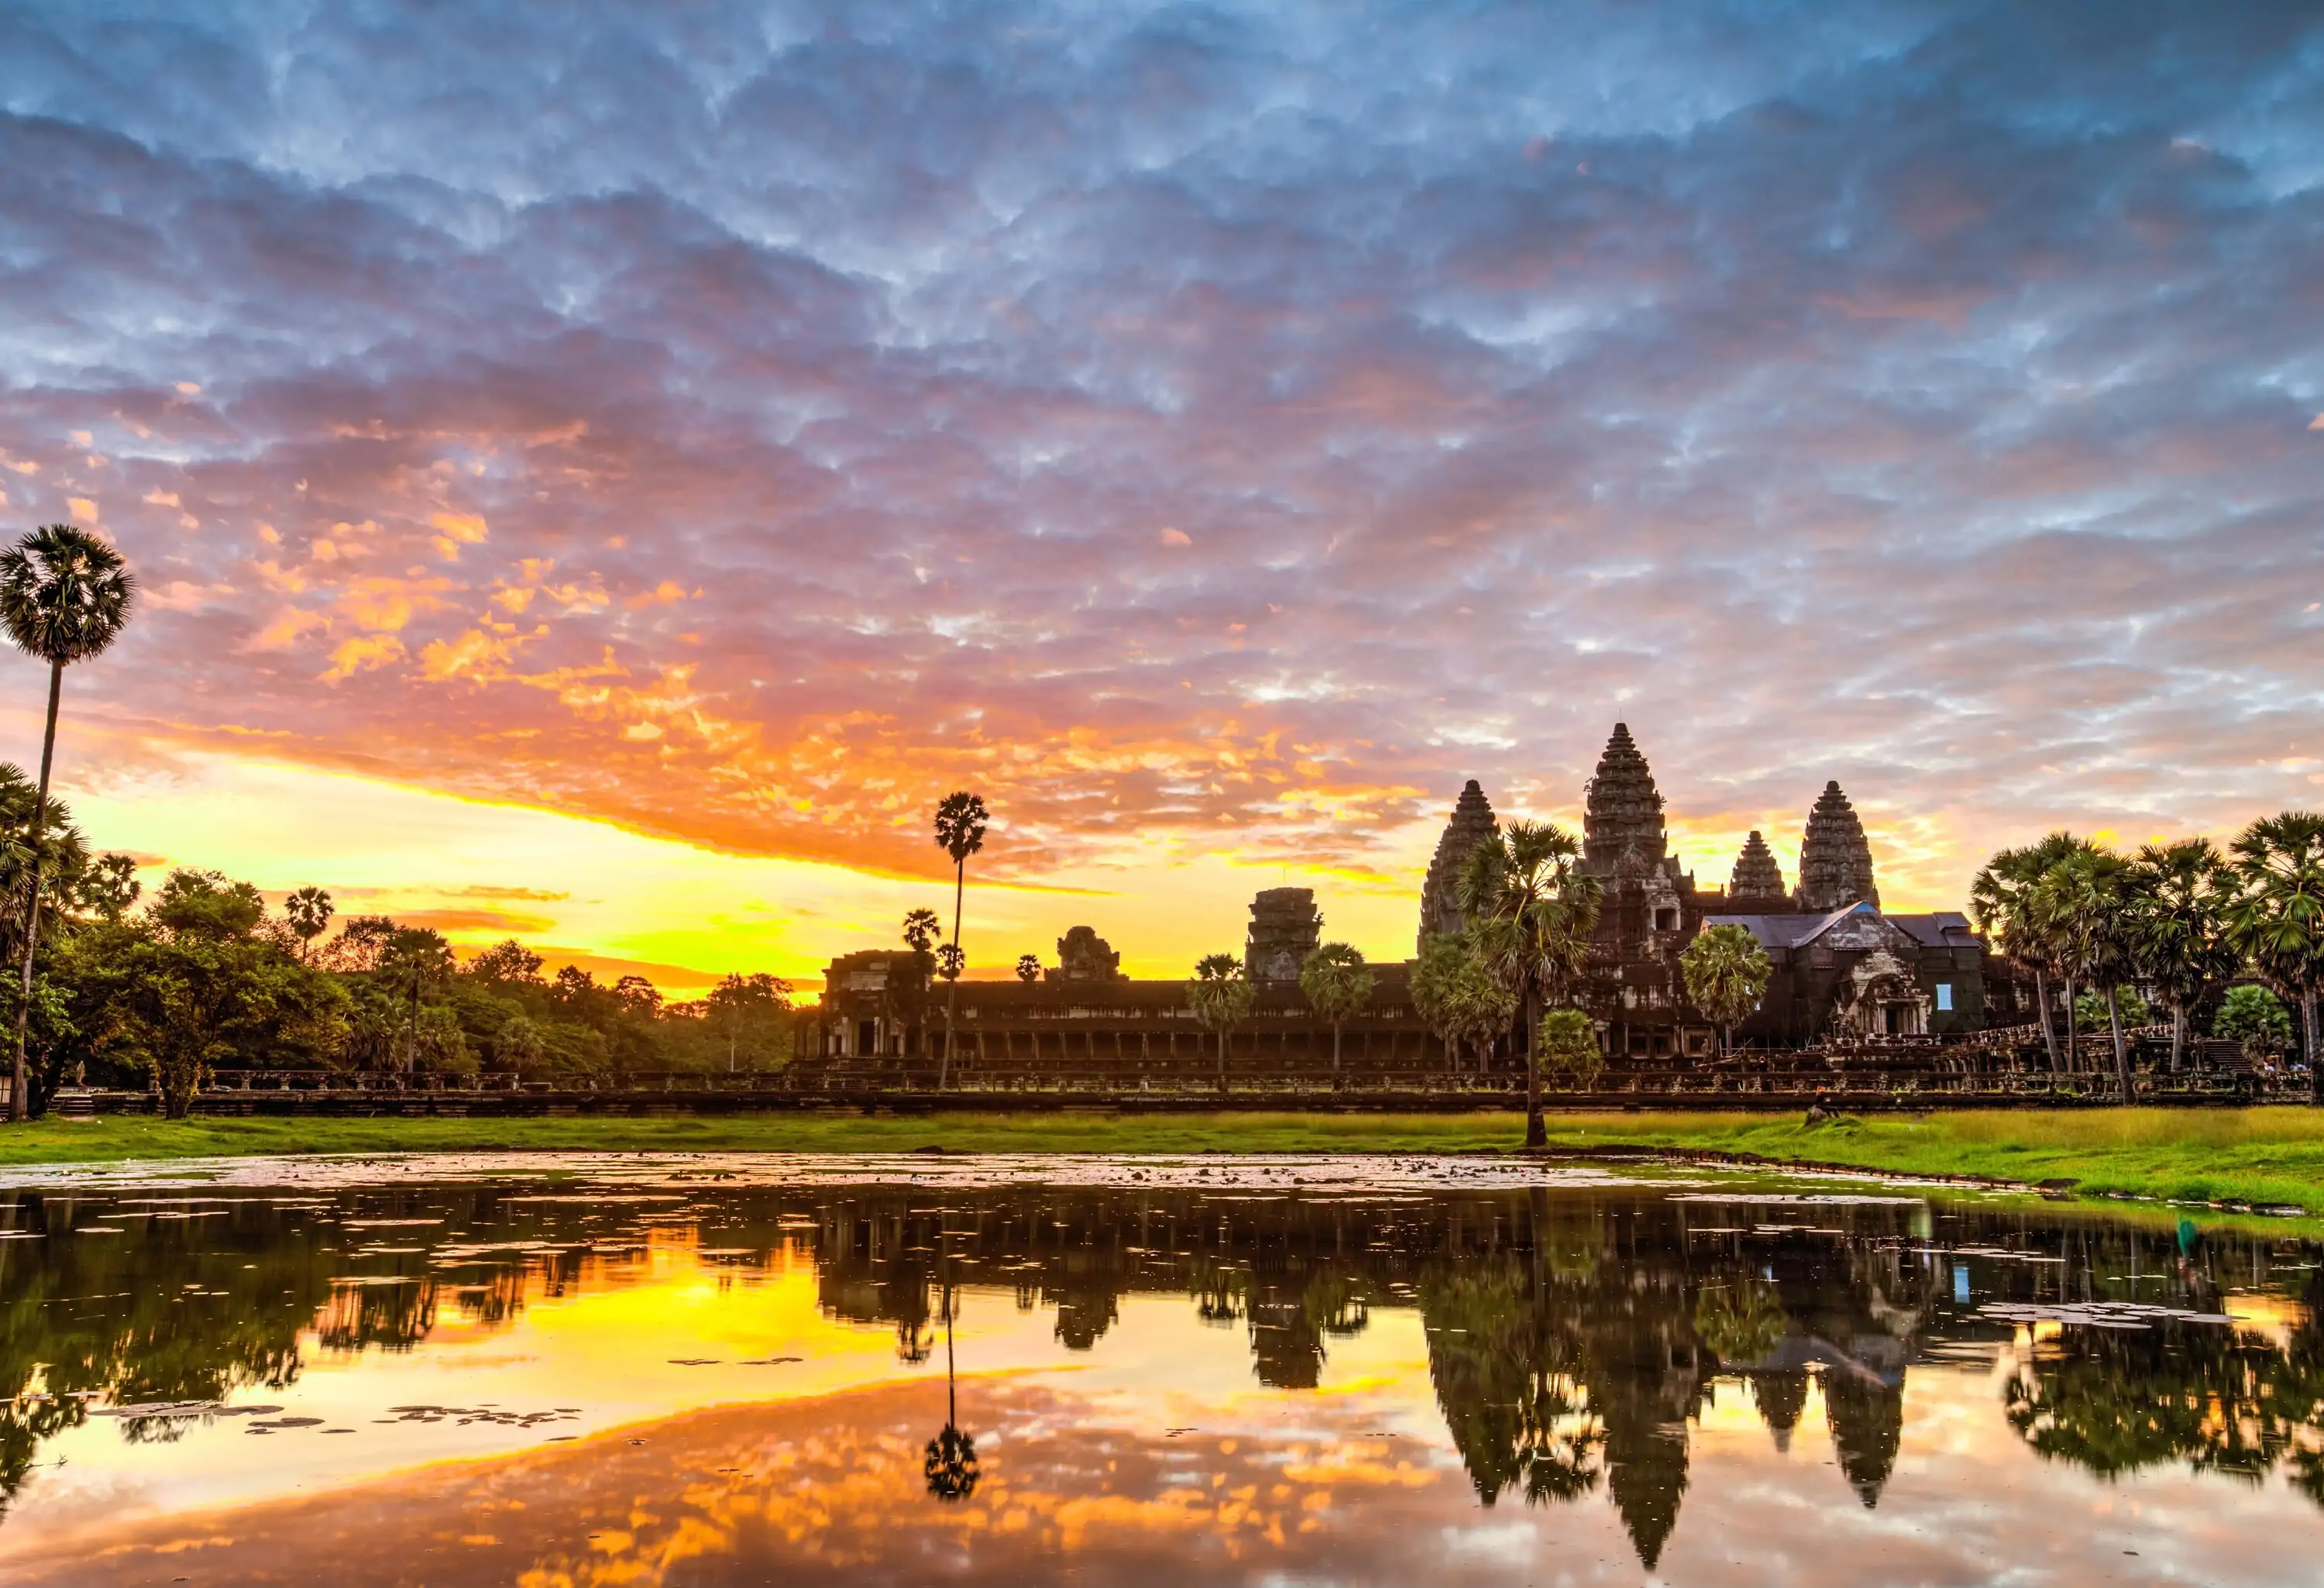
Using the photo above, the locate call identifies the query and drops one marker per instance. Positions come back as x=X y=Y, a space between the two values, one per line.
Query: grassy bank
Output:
x=2264 y=1157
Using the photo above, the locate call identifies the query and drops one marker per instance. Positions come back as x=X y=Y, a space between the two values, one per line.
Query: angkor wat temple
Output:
x=1844 y=969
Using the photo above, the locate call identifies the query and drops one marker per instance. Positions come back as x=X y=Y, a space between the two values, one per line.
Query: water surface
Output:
x=711 y=1371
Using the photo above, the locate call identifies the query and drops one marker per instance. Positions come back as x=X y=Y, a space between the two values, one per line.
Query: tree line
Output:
x=2102 y=931
x=203 y=977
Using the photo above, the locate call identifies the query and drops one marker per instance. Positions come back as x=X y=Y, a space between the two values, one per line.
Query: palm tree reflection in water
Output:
x=950 y=1466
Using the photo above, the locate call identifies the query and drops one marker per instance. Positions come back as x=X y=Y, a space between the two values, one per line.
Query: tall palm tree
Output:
x=2077 y=906
x=2181 y=894
x=1726 y=973
x=2278 y=919
x=960 y=833
x=1338 y=983
x=309 y=911
x=1533 y=912
x=1222 y=996
x=2001 y=903
x=65 y=595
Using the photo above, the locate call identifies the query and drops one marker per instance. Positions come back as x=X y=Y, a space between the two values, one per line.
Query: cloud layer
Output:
x=1232 y=426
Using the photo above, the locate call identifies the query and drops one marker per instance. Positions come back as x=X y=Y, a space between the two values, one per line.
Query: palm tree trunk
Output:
x=1223 y=1060
x=20 y=1101
x=2073 y=1031
x=2042 y=1013
x=1537 y=1133
x=2308 y=1044
x=1335 y=1053
x=952 y=994
x=2178 y=1036
x=2121 y=1053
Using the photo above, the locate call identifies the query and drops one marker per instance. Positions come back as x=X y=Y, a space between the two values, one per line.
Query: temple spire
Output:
x=1835 y=856
x=1757 y=879
x=1440 y=896
x=1622 y=814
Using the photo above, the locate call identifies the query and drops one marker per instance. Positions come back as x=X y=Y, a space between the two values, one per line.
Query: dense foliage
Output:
x=204 y=978
x=2176 y=925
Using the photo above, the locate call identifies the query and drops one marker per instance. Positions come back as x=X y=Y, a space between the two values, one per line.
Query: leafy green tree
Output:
x=1569 y=1048
x=360 y=946
x=517 y=1046
x=751 y=1015
x=196 y=981
x=960 y=827
x=1222 y=998
x=1443 y=959
x=109 y=888
x=2180 y=896
x=309 y=911
x=2256 y=1019
x=1338 y=984
x=507 y=963
x=1726 y=973
x=1487 y=1006
x=1532 y=912
x=2278 y=918
x=65 y=596
x=2094 y=1014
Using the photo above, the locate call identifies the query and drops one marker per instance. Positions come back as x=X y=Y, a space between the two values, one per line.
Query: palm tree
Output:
x=2278 y=919
x=1726 y=972
x=1533 y=913
x=1444 y=959
x=2181 y=895
x=65 y=595
x=2077 y=906
x=415 y=959
x=960 y=833
x=1028 y=968
x=1569 y=1045
x=2001 y=902
x=1338 y=983
x=1221 y=997
x=949 y=1463
x=309 y=911
x=921 y=929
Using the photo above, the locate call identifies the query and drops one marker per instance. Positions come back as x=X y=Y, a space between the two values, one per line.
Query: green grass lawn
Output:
x=2261 y=1156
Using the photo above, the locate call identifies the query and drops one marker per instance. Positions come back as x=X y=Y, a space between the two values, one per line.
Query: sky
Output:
x=601 y=474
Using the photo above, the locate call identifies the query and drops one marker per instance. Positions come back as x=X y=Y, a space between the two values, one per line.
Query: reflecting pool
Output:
x=710 y=1371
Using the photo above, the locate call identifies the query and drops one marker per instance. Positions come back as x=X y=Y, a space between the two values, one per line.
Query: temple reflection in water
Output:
x=1574 y=1341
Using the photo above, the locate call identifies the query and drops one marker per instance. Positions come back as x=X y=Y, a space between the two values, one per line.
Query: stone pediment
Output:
x=1860 y=927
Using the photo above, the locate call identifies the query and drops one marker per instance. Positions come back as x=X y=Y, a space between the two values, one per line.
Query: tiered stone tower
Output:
x=1473 y=823
x=1758 y=887
x=1622 y=818
x=1835 y=858
x=1284 y=929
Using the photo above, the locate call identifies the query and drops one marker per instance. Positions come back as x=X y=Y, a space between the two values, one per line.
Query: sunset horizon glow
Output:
x=603 y=484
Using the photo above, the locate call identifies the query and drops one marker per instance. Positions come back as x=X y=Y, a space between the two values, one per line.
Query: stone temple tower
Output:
x=1622 y=813
x=1440 y=896
x=1835 y=857
x=1758 y=887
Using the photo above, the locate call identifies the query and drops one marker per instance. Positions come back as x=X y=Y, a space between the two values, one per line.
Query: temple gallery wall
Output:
x=1843 y=968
